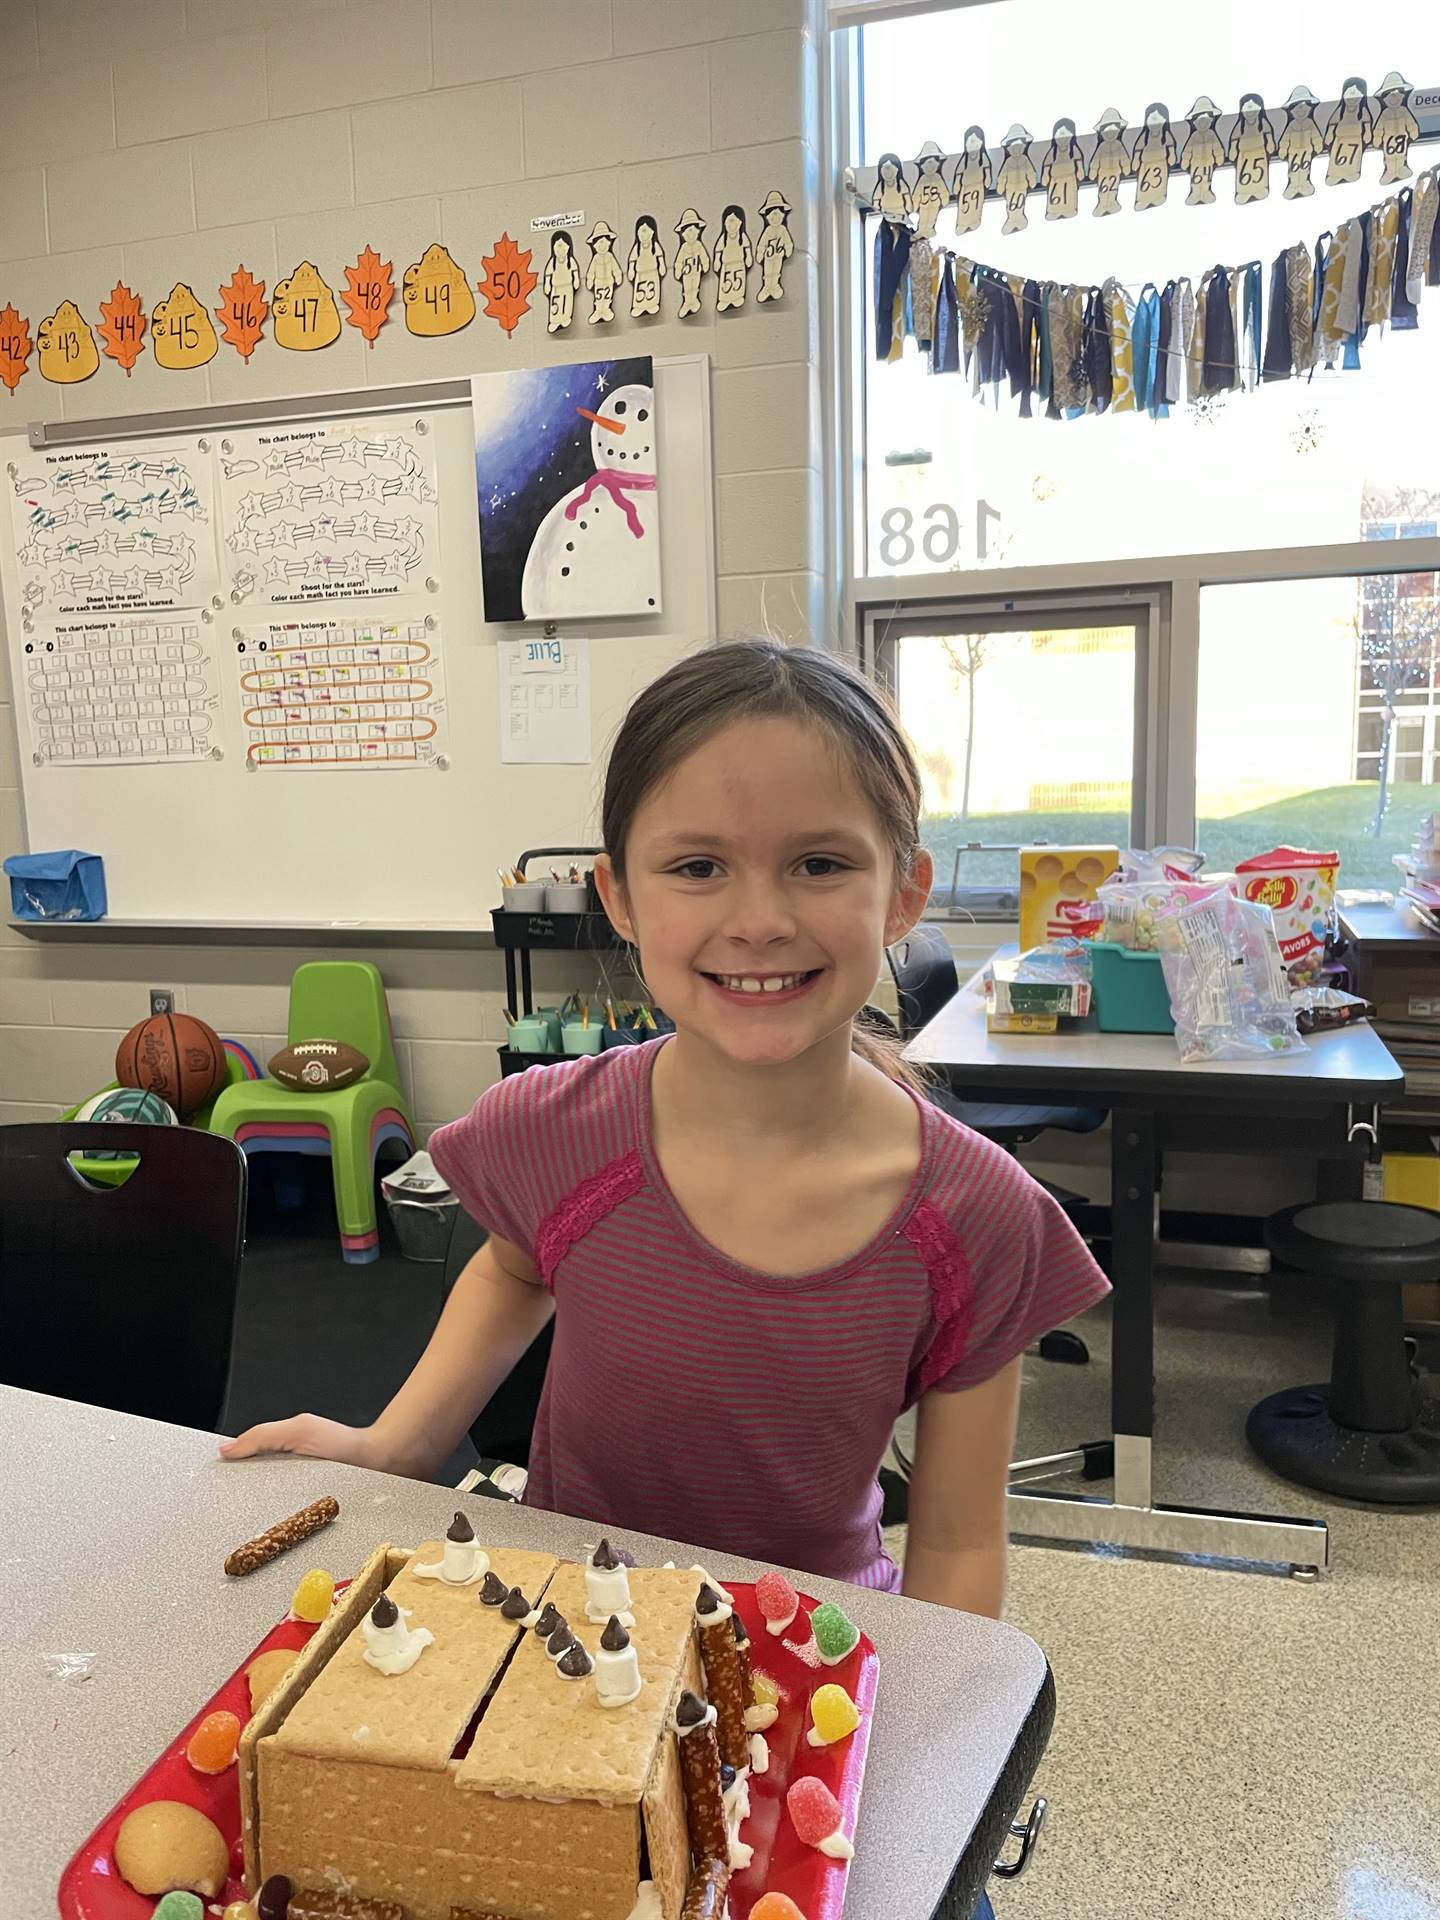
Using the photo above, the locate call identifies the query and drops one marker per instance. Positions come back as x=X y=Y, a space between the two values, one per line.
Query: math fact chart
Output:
x=340 y=510
x=341 y=695
x=123 y=693
x=545 y=701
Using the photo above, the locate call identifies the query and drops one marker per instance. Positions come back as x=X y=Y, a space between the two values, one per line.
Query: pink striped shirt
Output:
x=693 y=1397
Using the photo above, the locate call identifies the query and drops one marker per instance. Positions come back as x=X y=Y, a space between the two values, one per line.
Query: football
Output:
x=319 y=1066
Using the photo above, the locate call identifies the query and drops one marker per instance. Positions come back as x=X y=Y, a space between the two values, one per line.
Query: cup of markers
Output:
x=519 y=895
x=567 y=892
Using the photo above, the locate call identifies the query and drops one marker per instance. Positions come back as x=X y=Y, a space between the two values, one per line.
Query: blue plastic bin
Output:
x=1130 y=991
x=57 y=886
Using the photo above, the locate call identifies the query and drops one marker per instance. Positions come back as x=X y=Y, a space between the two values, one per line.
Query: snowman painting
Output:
x=568 y=493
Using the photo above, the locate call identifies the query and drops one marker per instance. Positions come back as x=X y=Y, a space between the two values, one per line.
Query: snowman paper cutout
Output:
x=775 y=246
x=734 y=256
x=692 y=260
x=1252 y=146
x=1109 y=163
x=1152 y=157
x=1061 y=172
x=1202 y=152
x=931 y=195
x=602 y=276
x=1348 y=132
x=1016 y=178
x=560 y=282
x=1301 y=144
x=592 y=545
x=645 y=268
x=973 y=180
x=1395 y=127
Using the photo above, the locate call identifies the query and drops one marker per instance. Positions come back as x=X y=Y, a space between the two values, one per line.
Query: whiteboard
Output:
x=207 y=841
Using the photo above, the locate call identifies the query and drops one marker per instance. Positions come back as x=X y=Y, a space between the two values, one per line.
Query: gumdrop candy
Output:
x=775 y=1906
x=180 y=1905
x=313 y=1596
x=815 y=1816
x=239 y=1910
x=836 y=1634
x=835 y=1715
x=763 y=1690
x=211 y=1748
x=777 y=1601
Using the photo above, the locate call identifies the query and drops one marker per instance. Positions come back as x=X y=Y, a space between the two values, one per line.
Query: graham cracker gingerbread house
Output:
x=480 y=1779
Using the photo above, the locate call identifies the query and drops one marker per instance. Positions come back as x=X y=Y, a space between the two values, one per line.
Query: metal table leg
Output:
x=1133 y=1519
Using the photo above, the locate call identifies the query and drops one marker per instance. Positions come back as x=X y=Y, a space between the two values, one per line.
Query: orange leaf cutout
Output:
x=122 y=327
x=508 y=283
x=370 y=287
x=242 y=310
x=16 y=347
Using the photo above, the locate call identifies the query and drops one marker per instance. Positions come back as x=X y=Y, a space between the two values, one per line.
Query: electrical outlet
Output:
x=162 y=999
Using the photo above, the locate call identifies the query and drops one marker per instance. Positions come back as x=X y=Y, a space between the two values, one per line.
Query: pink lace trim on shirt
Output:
x=584 y=1209
x=952 y=1292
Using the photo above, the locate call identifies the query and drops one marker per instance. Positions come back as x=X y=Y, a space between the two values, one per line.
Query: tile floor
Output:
x=1230 y=1744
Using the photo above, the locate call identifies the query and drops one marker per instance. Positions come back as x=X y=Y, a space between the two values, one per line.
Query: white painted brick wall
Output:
x=161 y=140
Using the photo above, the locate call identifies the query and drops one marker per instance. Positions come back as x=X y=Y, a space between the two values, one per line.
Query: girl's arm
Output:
x=496 y=1308
x=955 y=1550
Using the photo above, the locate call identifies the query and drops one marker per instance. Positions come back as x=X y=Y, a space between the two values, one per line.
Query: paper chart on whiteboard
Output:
x=337 y=696
x=345 y=509
x=120 y=529
x=545 y=701
x=111 y=692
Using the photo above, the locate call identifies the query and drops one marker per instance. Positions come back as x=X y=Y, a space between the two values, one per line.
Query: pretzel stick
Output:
x=289 y=1533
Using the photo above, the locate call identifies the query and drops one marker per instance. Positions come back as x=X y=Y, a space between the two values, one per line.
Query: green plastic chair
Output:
x=114 y=1173
x=331 y=1000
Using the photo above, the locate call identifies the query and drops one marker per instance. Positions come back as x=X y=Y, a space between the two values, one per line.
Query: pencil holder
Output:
x=566 y=897
x=577 y=1039
x=527 y=899
x=531 y=1035
x=551 y=1018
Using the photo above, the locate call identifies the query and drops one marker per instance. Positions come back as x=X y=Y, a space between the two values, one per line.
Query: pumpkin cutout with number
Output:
x=182 y=333
x=303 y=314
x=437 y=295
x=67 y=349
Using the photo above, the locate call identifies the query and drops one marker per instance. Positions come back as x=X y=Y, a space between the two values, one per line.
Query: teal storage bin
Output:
x=1130 y=991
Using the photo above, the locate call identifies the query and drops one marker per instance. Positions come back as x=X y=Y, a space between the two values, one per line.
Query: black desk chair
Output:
x=1372 y=1433
x=121 y=1296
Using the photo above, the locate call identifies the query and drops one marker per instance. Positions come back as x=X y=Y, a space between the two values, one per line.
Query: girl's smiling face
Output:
x=760 y=889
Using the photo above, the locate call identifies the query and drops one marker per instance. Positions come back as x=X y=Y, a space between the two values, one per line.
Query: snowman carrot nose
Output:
x=601 y=420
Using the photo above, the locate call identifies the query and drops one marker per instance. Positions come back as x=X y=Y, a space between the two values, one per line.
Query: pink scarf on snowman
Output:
x=616 y=485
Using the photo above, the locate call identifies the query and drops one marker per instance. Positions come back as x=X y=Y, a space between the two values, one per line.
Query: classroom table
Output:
x=1323 y=1102
x=115 y=1537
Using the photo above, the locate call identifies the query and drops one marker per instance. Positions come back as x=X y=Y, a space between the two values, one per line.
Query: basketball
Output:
x=175 y=1056
x=126 y=1103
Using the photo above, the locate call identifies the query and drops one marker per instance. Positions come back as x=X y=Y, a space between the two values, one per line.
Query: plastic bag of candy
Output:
x=1228 y=989
x=1320 y=1008
x=1159 y=863
x=1133 y=913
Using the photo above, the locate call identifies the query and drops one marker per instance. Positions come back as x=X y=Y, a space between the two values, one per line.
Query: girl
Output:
x=734 y=257
x=645 y=269
x=759 y=1242
x=973 y=180
x=561 y=282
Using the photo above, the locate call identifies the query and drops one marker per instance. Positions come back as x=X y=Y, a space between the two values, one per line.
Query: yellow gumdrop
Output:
x=239 y=1910
x=313 y=1595
x=834 y=1713
x=763 y=1690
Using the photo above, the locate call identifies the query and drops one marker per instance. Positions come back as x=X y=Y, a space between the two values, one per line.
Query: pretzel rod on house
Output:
x=278 y=1539
x=727 y=1678
x=705 y=1896
x=694 y=1723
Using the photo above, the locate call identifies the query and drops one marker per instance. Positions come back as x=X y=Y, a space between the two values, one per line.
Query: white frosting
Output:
x=647 y=1903
x=722 y=1612
x=777 y=1627
x=617 y=1676
x=757 y=1719
x=741 y=1854
x=396 y=1648
x=709 y=1580
x=759 y=1753
x=607 y=1591
x=836 y=1845
x=708 y=1721
x=837 y=1659
x=465 y=1562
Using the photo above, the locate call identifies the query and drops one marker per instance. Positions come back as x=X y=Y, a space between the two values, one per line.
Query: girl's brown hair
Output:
x=749 y=679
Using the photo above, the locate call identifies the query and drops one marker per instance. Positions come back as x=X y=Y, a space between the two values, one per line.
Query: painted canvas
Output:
x=568 y=486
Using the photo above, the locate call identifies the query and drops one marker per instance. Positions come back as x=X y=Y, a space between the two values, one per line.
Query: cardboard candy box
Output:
x=1299 y=889
x=1057 y=885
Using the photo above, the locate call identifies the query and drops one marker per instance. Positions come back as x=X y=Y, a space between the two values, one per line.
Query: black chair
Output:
x=1373 y=1433
x=502 y=1432
x=121 y=1296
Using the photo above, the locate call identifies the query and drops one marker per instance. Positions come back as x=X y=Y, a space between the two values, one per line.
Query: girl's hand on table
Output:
x=309 y=1433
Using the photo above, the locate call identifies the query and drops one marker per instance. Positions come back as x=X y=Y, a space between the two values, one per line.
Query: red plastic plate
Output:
x=91 y=1889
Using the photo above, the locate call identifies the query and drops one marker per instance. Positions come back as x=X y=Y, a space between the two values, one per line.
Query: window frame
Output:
x=868 y=606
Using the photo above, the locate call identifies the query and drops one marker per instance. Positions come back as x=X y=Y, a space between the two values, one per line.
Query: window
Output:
x=953 y=483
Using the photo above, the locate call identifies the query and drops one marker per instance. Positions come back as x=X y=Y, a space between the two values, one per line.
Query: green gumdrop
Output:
x=835 y=1632
x=180 y=1905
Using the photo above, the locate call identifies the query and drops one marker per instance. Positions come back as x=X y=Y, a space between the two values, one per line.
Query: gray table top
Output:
x=116 y=1533
x=1350 y=1064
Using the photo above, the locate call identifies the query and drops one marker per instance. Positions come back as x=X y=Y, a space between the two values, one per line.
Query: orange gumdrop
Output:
x=775 y=1906
x=211 y=1748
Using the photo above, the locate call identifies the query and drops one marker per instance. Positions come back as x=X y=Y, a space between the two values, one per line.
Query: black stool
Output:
x=1374 y=1433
